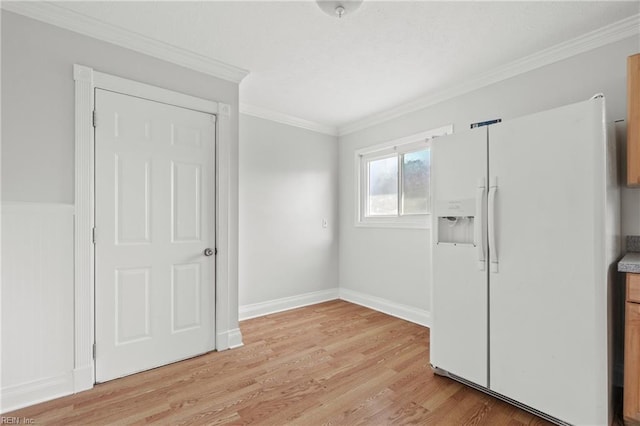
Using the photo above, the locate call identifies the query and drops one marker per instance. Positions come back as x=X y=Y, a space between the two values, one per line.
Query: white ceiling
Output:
x=306 y=64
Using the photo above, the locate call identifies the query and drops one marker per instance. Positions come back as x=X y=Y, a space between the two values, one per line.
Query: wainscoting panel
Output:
x=37 y=303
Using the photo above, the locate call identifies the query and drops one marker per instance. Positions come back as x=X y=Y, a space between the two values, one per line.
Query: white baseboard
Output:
x=229 y=339
x=409 y=313
x=286 y=303
x=26 y=394
x=83 y=378
x=235 y=338
x=405 y=312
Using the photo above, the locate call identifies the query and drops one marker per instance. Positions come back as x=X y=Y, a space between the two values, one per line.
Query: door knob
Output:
x=208 y=252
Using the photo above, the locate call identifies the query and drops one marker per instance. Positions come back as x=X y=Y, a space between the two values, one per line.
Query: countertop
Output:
x=631 y=261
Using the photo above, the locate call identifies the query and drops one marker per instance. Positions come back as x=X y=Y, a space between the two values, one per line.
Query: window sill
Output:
x=425 y=223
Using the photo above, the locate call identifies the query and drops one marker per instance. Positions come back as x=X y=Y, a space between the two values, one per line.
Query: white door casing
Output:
x=227 y=333
x=155 y=191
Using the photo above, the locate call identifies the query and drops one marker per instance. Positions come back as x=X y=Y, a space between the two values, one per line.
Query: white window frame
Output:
x=391 y=148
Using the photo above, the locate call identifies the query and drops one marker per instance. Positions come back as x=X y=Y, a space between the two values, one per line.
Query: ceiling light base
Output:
x=338 y=8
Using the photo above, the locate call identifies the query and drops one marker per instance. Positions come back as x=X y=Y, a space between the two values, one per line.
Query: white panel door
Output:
x=154 y=220
x=459 y=328
x=546 y=345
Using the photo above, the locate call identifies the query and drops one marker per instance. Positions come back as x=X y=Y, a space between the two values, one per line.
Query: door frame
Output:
x=227 y=333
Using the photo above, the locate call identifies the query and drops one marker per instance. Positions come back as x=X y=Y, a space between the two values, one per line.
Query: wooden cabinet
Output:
x=631 y=410
x=633 y=120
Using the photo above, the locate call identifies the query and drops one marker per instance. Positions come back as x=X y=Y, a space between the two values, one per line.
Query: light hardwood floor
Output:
x=334 y=363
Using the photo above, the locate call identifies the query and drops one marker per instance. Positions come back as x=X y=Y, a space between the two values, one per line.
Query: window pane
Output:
x=415 y=182
x=383 y=187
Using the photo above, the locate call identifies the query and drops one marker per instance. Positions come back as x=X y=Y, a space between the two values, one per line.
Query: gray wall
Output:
x=38 y=167
x=395 y=264
x=392 y=264
x=288 y=185
x=38 y=101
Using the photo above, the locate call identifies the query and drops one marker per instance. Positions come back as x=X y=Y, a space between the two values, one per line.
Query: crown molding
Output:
x=617 y=31
x=59 y=16
x=290 y=120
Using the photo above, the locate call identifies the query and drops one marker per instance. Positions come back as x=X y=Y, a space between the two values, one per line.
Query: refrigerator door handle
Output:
x=478 y=229
x=493 y=252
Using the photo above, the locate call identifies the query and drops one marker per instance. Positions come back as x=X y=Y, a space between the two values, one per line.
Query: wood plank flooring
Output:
x=334 y=363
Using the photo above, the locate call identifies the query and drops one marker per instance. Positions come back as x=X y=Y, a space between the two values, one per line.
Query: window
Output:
x=393 y=182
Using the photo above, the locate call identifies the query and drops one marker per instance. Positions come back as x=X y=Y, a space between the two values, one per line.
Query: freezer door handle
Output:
x=478 y=229
x=493 y=251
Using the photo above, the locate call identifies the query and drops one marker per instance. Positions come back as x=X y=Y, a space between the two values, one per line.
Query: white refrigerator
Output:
x=525 y=232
